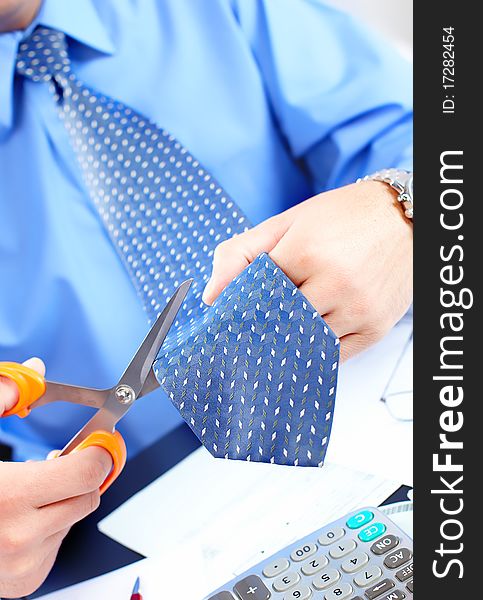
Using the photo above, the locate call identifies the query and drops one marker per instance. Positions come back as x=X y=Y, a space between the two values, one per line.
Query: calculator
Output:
x=363 y=556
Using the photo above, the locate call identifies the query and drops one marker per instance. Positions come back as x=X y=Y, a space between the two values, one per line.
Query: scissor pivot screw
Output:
x=125 y=394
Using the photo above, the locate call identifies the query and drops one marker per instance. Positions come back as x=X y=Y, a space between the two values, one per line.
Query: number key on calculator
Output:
x=363 y=556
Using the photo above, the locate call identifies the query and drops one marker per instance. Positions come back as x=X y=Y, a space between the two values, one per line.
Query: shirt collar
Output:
x=79 y=20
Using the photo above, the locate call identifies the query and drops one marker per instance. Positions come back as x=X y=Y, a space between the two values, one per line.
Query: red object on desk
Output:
x=135 y=591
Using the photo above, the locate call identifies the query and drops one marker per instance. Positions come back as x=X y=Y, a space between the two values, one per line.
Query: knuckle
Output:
x=225 y=248
x=218 y=252
x=224 y=245
x=308 y=257
x=16 y=541
x=92 y=474
x=345 y=278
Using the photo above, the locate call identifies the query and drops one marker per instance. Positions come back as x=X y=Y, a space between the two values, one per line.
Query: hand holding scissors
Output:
x=137 y=380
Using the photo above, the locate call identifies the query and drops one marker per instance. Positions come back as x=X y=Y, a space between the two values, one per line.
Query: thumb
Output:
x=8 y=389
x=235 y=254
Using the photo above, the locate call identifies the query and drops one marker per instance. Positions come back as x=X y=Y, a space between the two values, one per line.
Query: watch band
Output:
x=401 y=181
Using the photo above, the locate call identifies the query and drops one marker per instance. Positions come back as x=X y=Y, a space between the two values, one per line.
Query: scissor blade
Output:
x=138 y=370
x=150 y=384
x=71 y=393
x=138 y=375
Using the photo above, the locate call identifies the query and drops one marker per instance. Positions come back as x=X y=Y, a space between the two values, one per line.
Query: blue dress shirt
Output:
x=279 y=99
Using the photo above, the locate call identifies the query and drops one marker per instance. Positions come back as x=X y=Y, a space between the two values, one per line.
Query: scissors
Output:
x=112 y=404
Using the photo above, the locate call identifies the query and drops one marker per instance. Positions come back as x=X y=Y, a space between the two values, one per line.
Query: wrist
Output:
x=381 y=204
x=401 y=182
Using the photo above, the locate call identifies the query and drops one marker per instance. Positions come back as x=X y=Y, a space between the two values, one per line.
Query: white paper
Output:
x=364 y=434
x=230 y=515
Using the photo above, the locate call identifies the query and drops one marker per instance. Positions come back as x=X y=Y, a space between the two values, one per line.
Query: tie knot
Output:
x=43 y=55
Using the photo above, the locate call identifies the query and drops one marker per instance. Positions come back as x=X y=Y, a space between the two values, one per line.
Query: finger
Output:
x=339 y=325
x=8 y=394
x=9 y=390
x=36 y=364
x=353 y=344
x=62 y=515
x=316 y=292
x=68 y=476
x=235 y=254
x=291 y=258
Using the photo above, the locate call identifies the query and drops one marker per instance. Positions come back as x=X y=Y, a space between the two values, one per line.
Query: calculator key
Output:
x=398 y=558
x=360 y=519
x=331 y=535
x=384 y=545
x=301 y=592
x=252 y=588
x=342 y=548
x=221 y=596
x=303 y=552
x=276 y=567
x=394 y=595
x=409 y=586
x=405 y=573
x=340 y=592
x=368 y=576
x=326 y=579
x=383 y=587
x=314 y=565
x=355 y=562
x=372 y=532
x=284 y=582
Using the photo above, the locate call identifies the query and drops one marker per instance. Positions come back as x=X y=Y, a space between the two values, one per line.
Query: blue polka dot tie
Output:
x=255 y=375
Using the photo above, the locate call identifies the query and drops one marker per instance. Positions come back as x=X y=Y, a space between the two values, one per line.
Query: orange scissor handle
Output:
x=30 y=384
x=115 y=445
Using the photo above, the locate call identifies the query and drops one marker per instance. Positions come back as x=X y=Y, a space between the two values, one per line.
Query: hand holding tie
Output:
x=349 y=251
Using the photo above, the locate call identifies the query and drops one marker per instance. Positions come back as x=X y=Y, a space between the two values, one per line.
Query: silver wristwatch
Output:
x=399 y=180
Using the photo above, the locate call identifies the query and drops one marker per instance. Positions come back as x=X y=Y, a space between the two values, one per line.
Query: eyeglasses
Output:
x=399 y=402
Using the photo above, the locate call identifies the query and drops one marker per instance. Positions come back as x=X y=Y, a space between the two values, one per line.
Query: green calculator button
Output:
x=372 y=532
x=360 y=519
